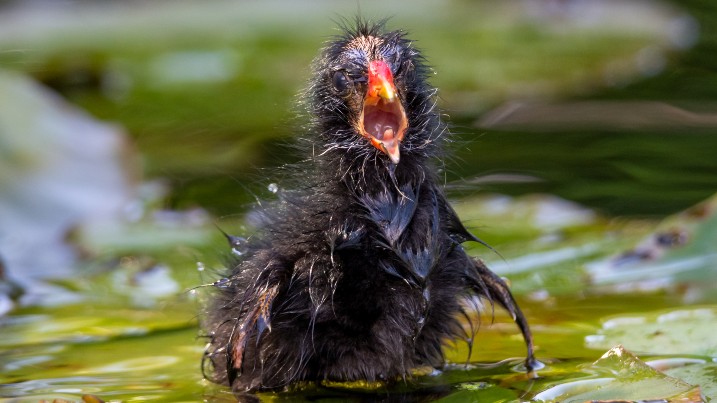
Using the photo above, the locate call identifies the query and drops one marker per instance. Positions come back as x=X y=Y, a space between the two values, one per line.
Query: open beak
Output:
x=383 y=120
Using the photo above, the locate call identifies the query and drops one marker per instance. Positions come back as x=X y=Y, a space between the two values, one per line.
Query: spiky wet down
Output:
x=359 y=273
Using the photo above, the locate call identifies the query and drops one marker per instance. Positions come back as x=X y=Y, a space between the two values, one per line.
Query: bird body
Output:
x=359 y=273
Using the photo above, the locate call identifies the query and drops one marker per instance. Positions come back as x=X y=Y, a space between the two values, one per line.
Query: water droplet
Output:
x=200 y=266
x=238 y=244
x=273 y=187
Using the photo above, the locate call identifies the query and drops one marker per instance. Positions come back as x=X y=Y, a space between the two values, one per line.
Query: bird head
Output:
x=370 y=99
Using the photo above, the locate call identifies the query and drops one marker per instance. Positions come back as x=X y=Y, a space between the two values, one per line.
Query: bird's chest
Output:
x=403 y=236
x=389 y=257
x=372 y=295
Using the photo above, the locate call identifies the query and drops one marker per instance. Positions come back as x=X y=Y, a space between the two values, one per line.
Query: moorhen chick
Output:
x=359 y=274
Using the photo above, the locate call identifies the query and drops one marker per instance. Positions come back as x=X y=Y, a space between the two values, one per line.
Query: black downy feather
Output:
x=359 y=274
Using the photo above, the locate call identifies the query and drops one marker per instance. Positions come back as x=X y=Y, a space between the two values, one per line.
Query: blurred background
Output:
x=584 y=153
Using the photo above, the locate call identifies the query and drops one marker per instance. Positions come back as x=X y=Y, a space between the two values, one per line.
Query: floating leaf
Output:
x=679 y=251
x=703 y=374
x=620 y=376
x=678 y=331
x=480 y=392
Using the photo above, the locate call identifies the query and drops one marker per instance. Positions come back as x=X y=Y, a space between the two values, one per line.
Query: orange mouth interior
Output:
x=383 y=120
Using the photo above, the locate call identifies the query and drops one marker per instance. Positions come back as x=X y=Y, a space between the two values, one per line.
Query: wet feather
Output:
x=359 y=273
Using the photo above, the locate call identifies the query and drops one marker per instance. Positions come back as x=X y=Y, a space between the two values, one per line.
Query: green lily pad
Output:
x=680 y=250
x=679 y=331
x=479 y=392
x=621 y=376
x=87 y=324
x=701 y=373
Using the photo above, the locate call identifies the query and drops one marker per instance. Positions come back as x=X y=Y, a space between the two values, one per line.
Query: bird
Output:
x=358 y=272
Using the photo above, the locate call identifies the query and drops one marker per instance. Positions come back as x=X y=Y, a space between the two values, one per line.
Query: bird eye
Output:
x=340 y=81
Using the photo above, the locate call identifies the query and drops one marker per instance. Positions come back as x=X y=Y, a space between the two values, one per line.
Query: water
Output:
x=592 y=105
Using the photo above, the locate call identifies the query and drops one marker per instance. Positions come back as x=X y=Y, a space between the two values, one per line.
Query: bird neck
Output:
x=376 y=177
